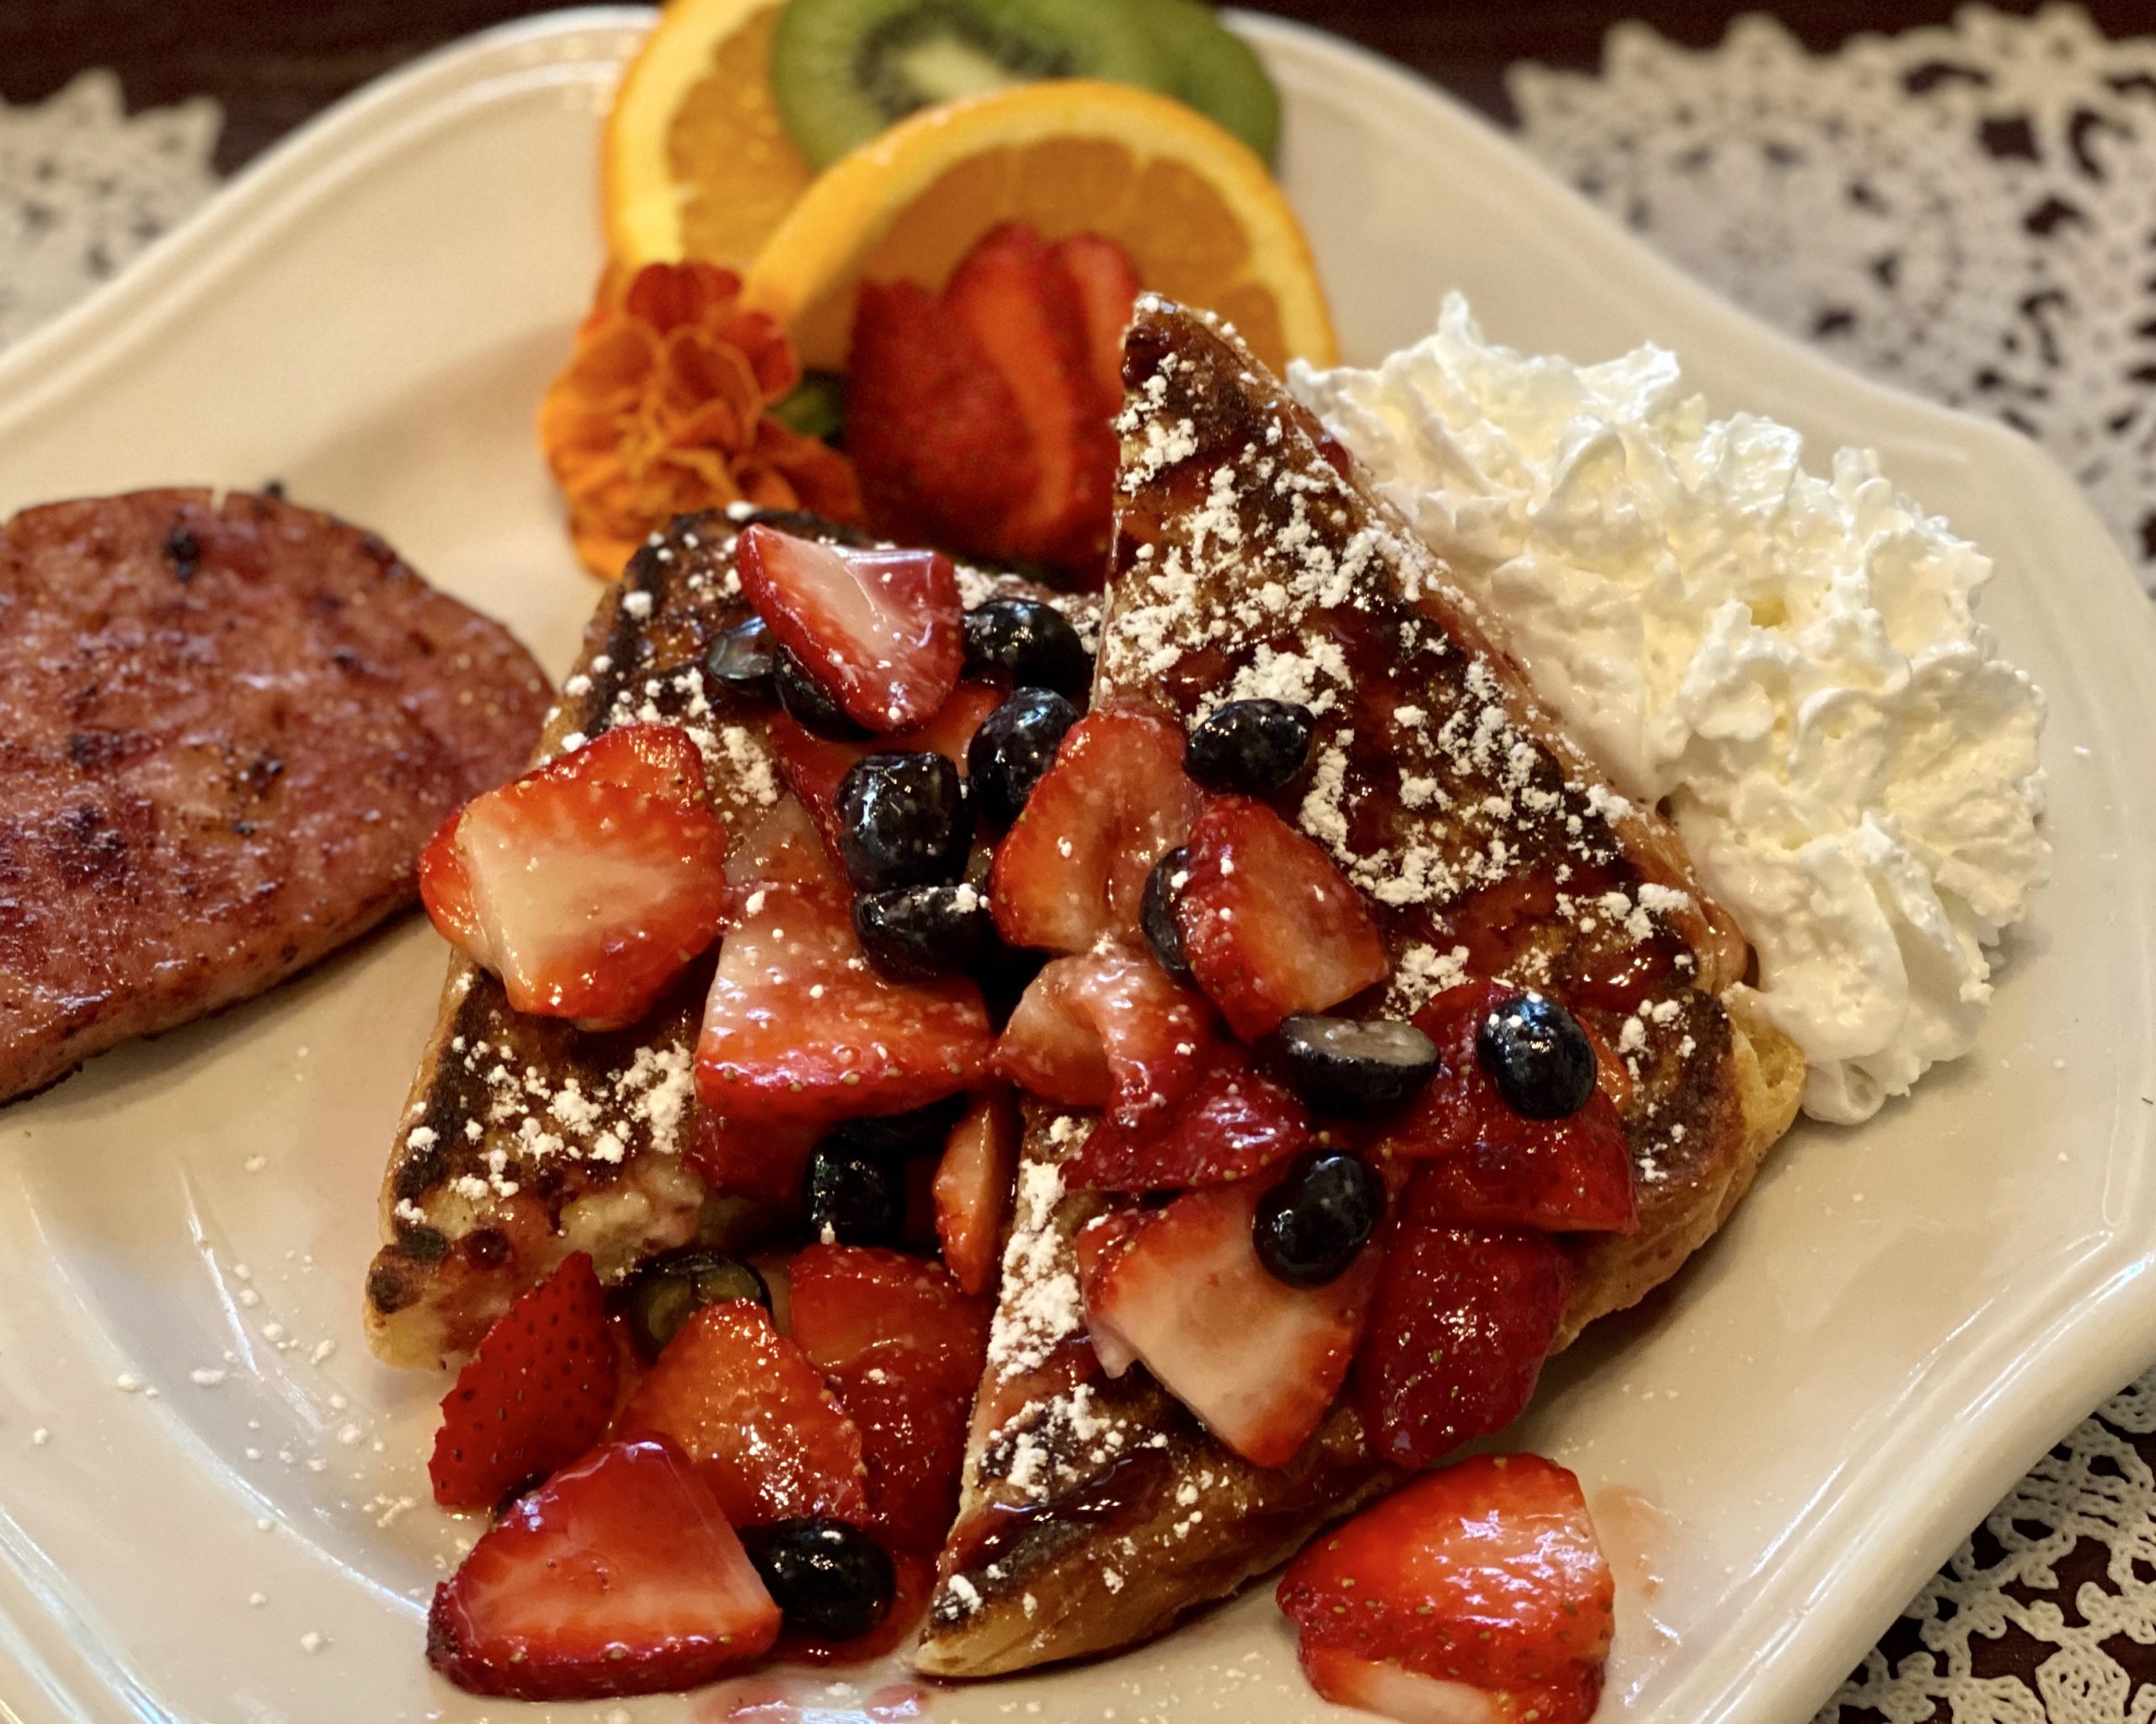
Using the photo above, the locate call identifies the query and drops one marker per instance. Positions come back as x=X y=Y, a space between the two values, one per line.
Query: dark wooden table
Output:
x=273 y=62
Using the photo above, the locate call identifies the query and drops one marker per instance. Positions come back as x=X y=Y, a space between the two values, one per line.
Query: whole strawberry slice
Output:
x=902 y=1348
x=617 y=1576
x=1072 y=868
x=1270 y=927
x=1107 y=1030
x=1182 y=1289
x=1232 y=1123
x=535 y=1394
x=588 y=884
x=1486 y=1573
x=753 y=1415
x=799 y=1031
x=1463 y=1321
x=881 y=630
x=973 y=1189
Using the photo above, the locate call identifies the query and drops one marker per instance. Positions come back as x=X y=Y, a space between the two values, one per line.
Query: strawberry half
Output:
x=1270 y=927
x=903 y=1349
x=1486 y=1573
x=980 y=417
x=587 y=885
x=1072 y=868
x=535 y=1394
x=753 y=1415
x=880 y=629
x=813 y=765
x=799 y=1031
x=973 y=1189
x=1107 y=1030
x=617 y=1576
x=1463 y=1319
x=1182 y=1289
x=1234 y=1122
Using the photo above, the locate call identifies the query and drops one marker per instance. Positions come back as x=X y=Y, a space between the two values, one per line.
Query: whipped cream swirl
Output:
x=1789 y=663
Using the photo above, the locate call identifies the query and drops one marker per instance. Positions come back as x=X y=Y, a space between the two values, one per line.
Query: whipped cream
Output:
x=1787 y=663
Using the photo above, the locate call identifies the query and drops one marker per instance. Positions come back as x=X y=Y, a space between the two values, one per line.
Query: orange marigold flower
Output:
x=663 y=410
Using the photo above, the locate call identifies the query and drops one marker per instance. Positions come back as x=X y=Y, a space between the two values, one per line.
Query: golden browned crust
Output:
x=1246 y=538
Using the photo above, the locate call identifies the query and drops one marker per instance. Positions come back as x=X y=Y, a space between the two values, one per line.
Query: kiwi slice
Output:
x=1216 y=71
x=843 y=70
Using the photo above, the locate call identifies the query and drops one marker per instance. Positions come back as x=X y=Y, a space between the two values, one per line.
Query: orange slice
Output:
x=1201 y=217
x=696 y=162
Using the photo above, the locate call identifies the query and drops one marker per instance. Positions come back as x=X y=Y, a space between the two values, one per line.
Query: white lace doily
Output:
x=1966 y=212
x=84 y=186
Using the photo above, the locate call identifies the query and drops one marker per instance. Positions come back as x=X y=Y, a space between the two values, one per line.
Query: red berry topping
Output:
x=1107 y=1030
x=973 y=1189
x=1232 y=1123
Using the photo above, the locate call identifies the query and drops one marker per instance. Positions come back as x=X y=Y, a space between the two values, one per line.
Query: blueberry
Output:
x=807 y=702
x=1311 y=1225
x=829 y=1578
x=1156 y=913
x=1538 y=1056
x=666 y=1289
x=895 y=1137
x=1351 y=1067
x=1012 y=748
x=1028 y=644
x=903 y=821
x=743 y=658
x=916 y=933
x=1250 y=748
x=856 y=1197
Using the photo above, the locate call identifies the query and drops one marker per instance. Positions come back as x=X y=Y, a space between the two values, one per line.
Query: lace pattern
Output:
x=84 y=186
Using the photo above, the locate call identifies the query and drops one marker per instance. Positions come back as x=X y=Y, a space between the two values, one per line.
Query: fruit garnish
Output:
x=1351 y=1068
x=1250 y=748
x=813 y=766
x=1463 y=1321
x=663 y=410
x=1486 y=1574
x=1232 y=1122
x=1270 y=928
x=1393 y=1691
x=977 y=419
x=753 y=1415
x=799 y=1030
x=1315 y=1219
x=1158 y=912
x=536 y=1393
x=1073 y=866
x=587 y=885
x=881 y=630
x=1107 y=1030
x=902 y=1346
x=666 y=1289
x=1192 y=207
x=1022 y=643
x=853 y=1197
x=1181 y=1288
x=619 y=1576
x=973 y=1189
x=913 y=1584
x=830 y=1579
x=751 y=1158
x=1013 y=748
x=902 y=820
x=916 y=933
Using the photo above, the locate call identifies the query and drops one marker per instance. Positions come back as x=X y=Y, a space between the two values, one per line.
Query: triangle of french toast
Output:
x=1252 y=558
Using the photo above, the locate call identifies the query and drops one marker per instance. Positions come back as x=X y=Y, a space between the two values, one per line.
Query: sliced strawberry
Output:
x=737 y=1159
x=1270 y=927
x=588 y=884
x=755 y=1417
x=1107 y=1030
x=1487 y=1572
x=799 y=1031
x=880 y=629
x=973 y=1189
x=903 y=1349
x=1482 y=1163
x=1463 y=1319
x=1233 y=1122
x=535 y=1394
x=813 y=765
x=618 y=1576
x=1072 y=868
x=1106 y=285
x=784 y=849
x=916 y=1585
x=1392 y=1691
x=1181 y=1289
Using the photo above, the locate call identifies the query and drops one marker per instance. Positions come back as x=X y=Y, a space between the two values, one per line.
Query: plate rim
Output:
x=2062 y=1363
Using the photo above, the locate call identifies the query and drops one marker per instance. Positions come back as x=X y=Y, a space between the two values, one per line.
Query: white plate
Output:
x=1900 y=1318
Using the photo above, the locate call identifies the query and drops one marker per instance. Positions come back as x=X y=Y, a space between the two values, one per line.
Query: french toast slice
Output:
x=1252 y=558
